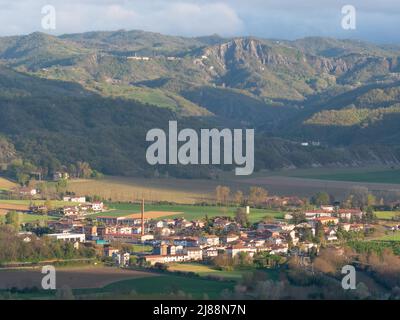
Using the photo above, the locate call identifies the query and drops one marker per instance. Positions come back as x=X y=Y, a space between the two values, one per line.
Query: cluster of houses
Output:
x=78 y=209
x=180 y=240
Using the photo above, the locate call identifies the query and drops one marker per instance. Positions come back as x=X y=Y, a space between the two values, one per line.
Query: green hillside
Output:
x=92 y=97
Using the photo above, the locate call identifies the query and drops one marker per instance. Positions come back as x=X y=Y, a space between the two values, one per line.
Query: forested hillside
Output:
x=92 y=97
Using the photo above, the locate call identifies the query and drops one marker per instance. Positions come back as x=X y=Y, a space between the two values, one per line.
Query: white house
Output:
x=209 y=240
x=97 y=206
x=194 y=253
x=74 y=199
x=69 y=237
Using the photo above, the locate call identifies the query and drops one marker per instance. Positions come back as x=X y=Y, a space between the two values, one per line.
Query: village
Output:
x=301 y=232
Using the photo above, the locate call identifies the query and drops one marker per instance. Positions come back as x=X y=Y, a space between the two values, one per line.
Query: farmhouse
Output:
x=26 y=191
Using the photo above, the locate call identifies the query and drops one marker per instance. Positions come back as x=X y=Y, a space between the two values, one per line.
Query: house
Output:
x=75 y=199
x=97 y=206
x=307 y=246
x=90 y=231
x=70 y=211
x=233 y=250
x=210 y=253
x=312 y=214
x=26 y=236
x=165 y=232
x=153 y=259
x=349 y=214
x=194 y=253
x=221 y=222
x=57 y=176
x=137 y=58
x=187 y=242
x=327 y=220
x=209 y=240
x=230 y=238
x=109 y=251
x=279 y=249
x=328 y=208
x=130 y=220
x=198 y=224
x=69 y=237
x=26 y=191
x=121 y=260
x=330 y=234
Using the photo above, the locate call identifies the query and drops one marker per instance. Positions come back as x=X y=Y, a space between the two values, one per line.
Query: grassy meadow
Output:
x=190 y=212
x=386 y=215
x=369 y=175
x=6 y=184
x=204 y=270
x=159 y=287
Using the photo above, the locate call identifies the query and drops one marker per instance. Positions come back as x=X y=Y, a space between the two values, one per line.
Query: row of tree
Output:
x=255 y=197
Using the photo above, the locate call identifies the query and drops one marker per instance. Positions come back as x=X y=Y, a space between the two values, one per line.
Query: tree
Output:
x=12 y=219
x=369 y=216
x=238 y=197
x=257 y=195
x=298 y=217
x=241 y=217
x=49 y=205
x=222 y=194
x=83 y=169
x=319 y=232
x=320 y=198
x=359 y=197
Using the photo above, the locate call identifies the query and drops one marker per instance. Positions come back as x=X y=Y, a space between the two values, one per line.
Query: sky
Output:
x=375 y=21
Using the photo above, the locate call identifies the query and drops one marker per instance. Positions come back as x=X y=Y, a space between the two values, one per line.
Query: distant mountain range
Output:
x=93 y=96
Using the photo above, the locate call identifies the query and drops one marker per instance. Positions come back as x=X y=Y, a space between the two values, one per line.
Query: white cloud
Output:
x=264 y=18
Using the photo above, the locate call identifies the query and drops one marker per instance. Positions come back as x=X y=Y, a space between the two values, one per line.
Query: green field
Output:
x=190 y=212
x=391 y=237
x=387 y=215
x=204 y=270
x=374 y=175
x=141 y=248
x=55 y=203
x=27 y=218
x=161 y=287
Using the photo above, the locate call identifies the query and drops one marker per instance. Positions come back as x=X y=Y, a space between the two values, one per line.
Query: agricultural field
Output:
x=160 y=287
x=370 y=174
x=113 y=283
x=387 y=215
x=204 y=270
x=131 y=189
x=22 y=206
x=298 y=182
x=391 y=237
x=73 y=277
x=26 y=218
x=6 y=184
x=190 y=212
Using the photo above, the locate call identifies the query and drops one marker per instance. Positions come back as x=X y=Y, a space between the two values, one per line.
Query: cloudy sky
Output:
x=377 y=21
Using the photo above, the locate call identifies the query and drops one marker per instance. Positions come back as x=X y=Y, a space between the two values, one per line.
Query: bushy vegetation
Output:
x=14 y=249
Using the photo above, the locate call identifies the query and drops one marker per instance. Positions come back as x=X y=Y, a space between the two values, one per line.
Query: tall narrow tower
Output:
x=142 y=217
